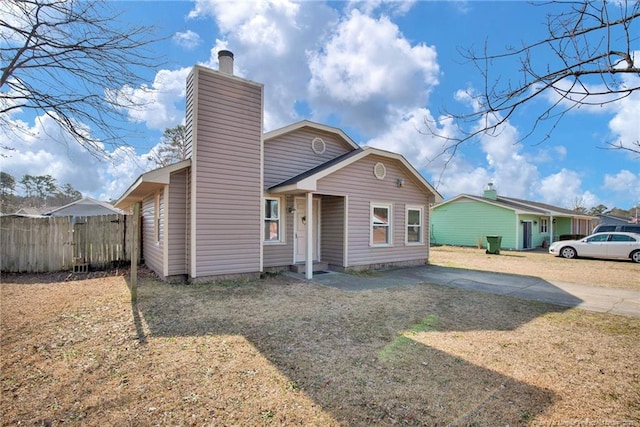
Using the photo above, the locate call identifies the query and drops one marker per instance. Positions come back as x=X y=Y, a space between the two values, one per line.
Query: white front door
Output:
x=300 y=229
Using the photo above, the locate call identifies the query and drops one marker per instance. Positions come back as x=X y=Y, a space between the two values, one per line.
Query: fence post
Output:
x=134 y=252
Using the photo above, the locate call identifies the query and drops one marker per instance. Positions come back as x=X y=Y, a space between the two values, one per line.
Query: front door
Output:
x=526 y=235
x=300 y=229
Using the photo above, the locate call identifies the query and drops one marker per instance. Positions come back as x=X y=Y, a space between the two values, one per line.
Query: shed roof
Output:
x=149 y=182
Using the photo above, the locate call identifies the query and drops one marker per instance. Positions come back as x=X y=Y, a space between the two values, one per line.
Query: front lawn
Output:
x=276 y=352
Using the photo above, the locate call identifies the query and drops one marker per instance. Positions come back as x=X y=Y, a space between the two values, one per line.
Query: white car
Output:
x=611 y=245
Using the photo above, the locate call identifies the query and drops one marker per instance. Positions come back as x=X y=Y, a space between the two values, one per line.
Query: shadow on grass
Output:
x=352 y=352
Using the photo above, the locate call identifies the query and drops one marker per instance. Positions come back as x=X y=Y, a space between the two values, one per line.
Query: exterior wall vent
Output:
x=318 y=146
x=379 y=170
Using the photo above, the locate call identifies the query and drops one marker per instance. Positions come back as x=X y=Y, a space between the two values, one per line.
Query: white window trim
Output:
x=281 y=216
x=388 y=206
x=544 y=222
x=419 y=208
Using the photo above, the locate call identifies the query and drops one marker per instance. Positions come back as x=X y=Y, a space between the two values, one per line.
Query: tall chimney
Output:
x=225 y=61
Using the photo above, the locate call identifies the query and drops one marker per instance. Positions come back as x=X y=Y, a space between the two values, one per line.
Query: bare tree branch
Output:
x=592 y=45
x=64 y=58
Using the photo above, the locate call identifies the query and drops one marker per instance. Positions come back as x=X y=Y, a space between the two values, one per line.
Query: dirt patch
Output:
x=539 y=263
x=278 y=352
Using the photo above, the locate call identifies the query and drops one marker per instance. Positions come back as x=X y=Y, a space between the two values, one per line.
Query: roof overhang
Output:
x=307 y=123
x=149 y=182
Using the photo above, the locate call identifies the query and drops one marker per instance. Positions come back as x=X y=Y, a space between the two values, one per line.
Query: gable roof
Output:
x=308 y=181
x=307 y=123
x=84 y=207
x=149 y=182
x=521 y=206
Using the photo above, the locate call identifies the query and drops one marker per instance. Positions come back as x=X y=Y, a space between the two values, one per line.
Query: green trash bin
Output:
x=493 y=244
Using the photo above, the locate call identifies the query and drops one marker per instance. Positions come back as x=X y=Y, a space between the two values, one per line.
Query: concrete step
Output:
x=317 y=266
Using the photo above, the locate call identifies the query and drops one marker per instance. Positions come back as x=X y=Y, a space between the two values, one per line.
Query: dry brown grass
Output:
x=278 y=352
x=604 y=273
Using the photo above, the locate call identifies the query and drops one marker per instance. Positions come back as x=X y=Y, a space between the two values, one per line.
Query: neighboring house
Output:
x=29 y=212
x=245 y=202
x=606 y=219
x=466 y=220
x=84 y=207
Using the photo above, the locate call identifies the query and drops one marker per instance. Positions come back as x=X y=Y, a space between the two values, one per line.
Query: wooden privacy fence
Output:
x=38 y=245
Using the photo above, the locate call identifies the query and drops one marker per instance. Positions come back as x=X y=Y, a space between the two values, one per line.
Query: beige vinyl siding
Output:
x=289 y=155
x=332 y=245
x=281 y=254
x=177 y=229
x=152 y=250
x=368 y=189
x=228 y=194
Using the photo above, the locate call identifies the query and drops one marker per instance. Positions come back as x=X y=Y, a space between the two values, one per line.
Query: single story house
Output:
x=466 y=220
x=305 y=196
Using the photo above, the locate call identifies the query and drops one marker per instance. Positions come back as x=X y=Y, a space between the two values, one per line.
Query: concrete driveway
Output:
x=614 y=301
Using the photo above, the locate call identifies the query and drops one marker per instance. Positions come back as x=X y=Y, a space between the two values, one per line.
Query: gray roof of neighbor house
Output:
x=523 y=206
x=84 y=207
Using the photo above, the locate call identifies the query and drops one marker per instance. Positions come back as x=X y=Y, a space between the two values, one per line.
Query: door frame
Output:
x=316 y=229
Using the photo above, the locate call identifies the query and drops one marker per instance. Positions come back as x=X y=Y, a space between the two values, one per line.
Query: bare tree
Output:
x=592 y=46
x=68 y=59
x=173 y=147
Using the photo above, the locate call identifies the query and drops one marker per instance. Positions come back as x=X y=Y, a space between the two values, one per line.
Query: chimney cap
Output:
x=225 y=53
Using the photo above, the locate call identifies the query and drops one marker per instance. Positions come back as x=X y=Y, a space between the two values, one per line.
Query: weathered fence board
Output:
x=59 y=243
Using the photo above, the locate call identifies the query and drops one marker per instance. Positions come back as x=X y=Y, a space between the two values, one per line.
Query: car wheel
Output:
x=635 y=256
x=568 y=252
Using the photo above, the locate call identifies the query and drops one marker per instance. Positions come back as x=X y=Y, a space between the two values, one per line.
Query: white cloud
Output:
x=188 y=39
x=269 y=40
x=45 y=149
x=158 y=104
x=623 y=182
x=366 y=65
x=564 y=189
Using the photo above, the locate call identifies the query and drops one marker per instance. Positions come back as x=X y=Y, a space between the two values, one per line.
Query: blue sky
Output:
x=374 y=69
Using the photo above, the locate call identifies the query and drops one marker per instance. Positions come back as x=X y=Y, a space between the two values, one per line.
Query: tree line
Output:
x=39 y=191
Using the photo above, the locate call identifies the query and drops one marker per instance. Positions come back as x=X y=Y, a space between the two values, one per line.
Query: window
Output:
x=598 y=238
x=272 y=228
x=621 y=238
x=544 y=225
x=414 y=225
x=380 y=224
